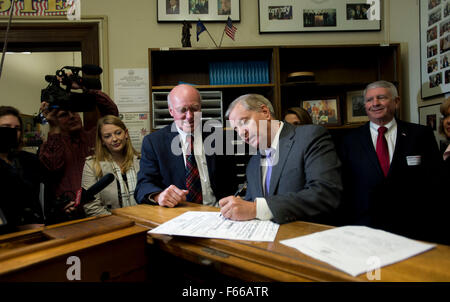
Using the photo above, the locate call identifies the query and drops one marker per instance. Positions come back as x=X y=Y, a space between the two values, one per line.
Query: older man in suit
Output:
x=389 y=170
x=174 y=166
x=295 y=174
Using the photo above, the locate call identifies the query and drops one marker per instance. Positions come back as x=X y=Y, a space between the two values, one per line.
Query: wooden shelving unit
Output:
x=338 y=69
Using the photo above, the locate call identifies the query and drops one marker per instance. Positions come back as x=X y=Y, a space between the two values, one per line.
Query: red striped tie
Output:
x=192 y=176
x=382 y=150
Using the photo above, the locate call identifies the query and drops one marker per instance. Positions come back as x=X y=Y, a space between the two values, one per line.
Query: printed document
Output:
x=214 y=225
x=357 y=249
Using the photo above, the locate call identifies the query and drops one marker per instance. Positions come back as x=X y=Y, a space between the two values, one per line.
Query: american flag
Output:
x=38 y=8
x=230 y=29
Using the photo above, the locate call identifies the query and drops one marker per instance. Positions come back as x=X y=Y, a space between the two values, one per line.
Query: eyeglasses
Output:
x=192 y=109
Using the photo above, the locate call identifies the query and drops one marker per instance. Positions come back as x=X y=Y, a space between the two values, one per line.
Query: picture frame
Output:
x=195 y=10
x=319 y=15
x=434 y=47
x=31 y=131
x=355 y=105
x=323 y=111
x=431 y=116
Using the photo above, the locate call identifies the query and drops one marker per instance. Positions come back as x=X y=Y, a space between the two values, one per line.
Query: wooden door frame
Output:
x=55 y=36
x=35 y=35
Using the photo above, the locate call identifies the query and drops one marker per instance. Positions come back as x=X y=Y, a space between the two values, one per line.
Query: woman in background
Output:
x=113 y=154
x=297 y=116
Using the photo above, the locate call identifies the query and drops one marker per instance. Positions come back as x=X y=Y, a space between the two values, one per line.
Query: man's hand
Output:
x=70 y=208
x=235 y=208
x=171 y=196
x=51 y=117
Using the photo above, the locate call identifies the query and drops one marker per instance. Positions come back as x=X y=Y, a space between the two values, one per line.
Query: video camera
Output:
x=66 y=99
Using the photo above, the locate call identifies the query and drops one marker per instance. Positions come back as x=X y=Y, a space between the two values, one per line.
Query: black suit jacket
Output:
x=160 y=167
x=407 y=201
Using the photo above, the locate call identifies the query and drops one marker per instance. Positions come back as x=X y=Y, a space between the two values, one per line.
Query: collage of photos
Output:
x=312 y=15
x=438 y=43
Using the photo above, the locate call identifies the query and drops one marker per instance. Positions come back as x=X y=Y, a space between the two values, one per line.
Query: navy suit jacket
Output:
x=306 y=182
x=160 y=167
x=406 y=201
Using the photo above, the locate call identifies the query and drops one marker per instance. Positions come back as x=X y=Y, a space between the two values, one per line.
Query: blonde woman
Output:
x=113 y=154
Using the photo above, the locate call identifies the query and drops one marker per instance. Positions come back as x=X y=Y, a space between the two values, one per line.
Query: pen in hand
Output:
x=240 y=189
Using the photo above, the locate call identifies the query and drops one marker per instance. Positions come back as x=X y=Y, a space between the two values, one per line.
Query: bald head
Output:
x=184 y=101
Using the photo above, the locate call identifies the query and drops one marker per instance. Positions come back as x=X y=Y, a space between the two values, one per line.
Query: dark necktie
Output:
x=382 y=150
x=193 y=184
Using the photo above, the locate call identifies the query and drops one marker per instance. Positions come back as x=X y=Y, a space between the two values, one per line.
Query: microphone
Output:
x=89 y=69
x=84 y=196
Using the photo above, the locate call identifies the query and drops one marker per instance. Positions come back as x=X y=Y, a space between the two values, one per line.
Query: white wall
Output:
x=132 y=28
x=23 y=77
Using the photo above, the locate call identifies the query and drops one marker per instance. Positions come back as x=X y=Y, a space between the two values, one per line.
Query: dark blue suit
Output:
x=406 y=202
x=160 y=167
x=306 y=182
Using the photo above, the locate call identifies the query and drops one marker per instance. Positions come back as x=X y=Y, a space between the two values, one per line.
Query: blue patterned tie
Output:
x=269 y=170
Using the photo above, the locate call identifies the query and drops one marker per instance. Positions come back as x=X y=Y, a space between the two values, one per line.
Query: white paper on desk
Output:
x=352 y=248
x=214 y=225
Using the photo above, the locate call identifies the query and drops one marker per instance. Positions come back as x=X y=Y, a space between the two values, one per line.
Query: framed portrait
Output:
x=193 y=10
x=324 y=111
x=319 y=15
x=434 y=47
x=356 y=111
x=431 y=116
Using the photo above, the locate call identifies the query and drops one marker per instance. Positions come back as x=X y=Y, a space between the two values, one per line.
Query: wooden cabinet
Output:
x=338 y=69
x=169 y=67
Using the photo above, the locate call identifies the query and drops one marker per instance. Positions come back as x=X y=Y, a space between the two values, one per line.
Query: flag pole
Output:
x=211 y=37
x=221 y=38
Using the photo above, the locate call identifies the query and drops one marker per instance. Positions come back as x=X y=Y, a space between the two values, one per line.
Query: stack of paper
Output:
x=214 y=225
x=357 y=249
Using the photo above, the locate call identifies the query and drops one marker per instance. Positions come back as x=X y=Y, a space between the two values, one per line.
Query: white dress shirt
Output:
x=200 y=158
x=391 y=136
x=263 y=211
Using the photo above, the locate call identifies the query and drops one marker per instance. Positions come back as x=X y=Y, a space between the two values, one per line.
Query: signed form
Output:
x=357 y=249
x=214 y=225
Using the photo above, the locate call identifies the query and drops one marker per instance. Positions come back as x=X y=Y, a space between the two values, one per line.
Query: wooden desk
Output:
x=109 y=248
x=273 y=261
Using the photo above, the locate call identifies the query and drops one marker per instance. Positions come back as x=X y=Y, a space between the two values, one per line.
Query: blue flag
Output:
x=200 y=28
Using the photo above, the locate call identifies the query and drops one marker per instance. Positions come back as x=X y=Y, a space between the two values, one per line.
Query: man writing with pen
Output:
x=174 y=167
x=295 y=174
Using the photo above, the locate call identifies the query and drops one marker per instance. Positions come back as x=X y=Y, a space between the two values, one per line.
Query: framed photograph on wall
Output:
x=434 y=47
x=431 y=116
x=193 y=10
x=31 y=131
x=354 y=103
x=318 y=15
x=324 y=111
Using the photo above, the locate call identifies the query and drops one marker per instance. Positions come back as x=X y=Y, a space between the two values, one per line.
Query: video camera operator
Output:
x=20 y=176
x=69 y=142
